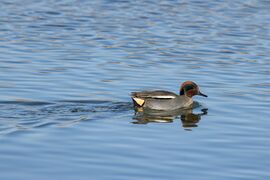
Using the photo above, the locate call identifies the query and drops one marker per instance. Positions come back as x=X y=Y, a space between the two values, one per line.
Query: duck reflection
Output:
x=188 y=118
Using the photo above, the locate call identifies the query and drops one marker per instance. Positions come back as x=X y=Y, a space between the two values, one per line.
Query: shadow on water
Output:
x=188 y=118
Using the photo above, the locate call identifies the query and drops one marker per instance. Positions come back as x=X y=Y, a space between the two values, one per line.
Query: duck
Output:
x=166 y=100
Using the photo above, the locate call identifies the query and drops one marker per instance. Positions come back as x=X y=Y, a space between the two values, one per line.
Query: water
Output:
x=67 y=68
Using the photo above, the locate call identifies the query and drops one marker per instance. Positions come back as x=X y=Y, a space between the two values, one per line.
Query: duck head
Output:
x=189 y=89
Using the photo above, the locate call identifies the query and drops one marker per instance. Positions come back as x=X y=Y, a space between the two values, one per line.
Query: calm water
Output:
x=67 y=68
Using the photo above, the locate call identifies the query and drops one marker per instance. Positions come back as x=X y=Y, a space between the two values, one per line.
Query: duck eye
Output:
x=189 y=87
x=186 y=88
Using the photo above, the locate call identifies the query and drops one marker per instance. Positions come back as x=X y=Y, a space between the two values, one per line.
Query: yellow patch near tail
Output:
x=139 y=101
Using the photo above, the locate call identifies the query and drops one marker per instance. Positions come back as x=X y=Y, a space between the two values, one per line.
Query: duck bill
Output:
x=201 y=94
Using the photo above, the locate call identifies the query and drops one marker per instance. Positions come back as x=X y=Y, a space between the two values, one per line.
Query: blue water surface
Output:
x=67 y=68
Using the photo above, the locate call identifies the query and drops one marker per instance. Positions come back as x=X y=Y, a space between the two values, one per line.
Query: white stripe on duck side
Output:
x=164 y=97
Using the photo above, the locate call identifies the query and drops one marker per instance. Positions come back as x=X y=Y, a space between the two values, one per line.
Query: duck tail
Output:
x=137 y=101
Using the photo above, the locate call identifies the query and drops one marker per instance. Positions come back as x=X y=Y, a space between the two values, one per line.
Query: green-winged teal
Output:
x=165 y=100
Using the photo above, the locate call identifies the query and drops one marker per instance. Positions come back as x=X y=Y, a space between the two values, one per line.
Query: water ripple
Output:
x=67 y=68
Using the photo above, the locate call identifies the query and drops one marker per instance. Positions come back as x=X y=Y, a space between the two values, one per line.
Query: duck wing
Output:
x=140 y=97
x=159 y=94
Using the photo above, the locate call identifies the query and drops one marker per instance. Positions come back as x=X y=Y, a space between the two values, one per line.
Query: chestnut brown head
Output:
x=189 y=89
